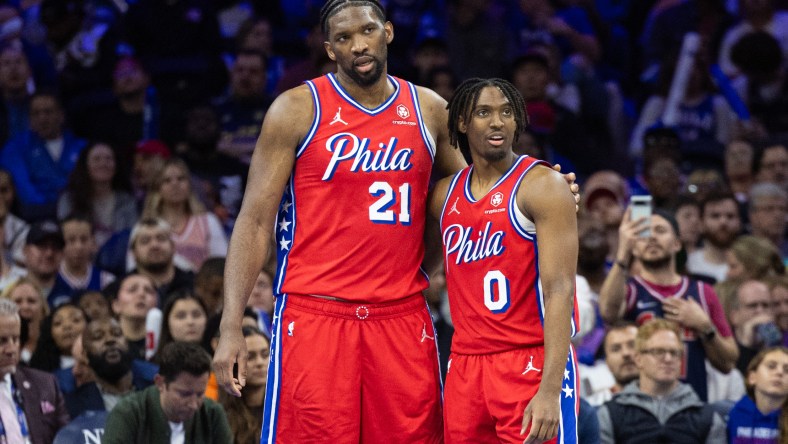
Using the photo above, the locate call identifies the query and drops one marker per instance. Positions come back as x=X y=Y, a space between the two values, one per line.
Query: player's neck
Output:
x=487 y=172
x=370 y=96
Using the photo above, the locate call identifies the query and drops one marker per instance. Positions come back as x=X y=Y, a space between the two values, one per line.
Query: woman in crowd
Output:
x=243 y=413
x=33 y=309
x=136 y=296
x=761 y=416
x=197 y=234
x=58 y=332
x=753 y=257
x=101 y=191
x=14 y=229
x=183 y=320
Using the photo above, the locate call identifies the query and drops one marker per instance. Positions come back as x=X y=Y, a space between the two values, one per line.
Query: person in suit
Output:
x=31 y=406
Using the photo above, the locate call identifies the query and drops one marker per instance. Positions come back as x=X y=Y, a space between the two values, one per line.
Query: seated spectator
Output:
x=244 y=413
x=196 y=233
x=242 y=110
x=135 y=296
x=99 y=189
x=778 y=286
x=658 y=406
x=772 y=163
x=721 y=222
x=89 y=427
x=757 y=417
x=58 y=333
x=174 y=407
x=14 y=229
x=93 y=303
x=42 y=157
x=43 y=412
x=117 y=372
x=619 y=348
x=209 y=285
x=76 y=271
x=256 y=34
x=657 y=290
x=752 y=257
x=183 y=320
x=768 y=214
x=43 y=254
x=149 y=158
x=33 y=309
x=606 y=195
x=752 y=320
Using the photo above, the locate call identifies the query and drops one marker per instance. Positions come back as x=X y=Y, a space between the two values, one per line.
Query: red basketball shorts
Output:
x=486 y=395
x=348 y=373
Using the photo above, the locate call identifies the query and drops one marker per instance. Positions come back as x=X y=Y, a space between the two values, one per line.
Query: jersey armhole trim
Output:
x=315 y=120
x=429 y=141
x=522 y=225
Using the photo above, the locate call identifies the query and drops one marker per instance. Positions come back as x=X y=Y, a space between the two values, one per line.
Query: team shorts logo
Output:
x=496 y=199
x=402 y=111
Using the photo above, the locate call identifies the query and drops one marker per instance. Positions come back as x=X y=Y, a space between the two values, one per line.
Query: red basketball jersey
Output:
x=492 y=268
x=351 y=221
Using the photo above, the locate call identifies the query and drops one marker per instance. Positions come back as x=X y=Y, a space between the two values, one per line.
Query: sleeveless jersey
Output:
x=492 y=267
x=351 y=221
x=644 y=303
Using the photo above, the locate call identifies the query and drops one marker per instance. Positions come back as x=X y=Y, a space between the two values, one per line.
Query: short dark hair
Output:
x=179 y=357
x=464 y=100
x=717 y=196
x=332 y=7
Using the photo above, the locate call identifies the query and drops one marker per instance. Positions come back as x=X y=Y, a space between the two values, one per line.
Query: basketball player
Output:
x=512 y=374
x=340 y=174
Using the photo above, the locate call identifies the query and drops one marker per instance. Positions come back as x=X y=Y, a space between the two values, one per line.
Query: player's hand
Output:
x=231 y=350
x=687 y=313
x=542 y=415
x=573 y=187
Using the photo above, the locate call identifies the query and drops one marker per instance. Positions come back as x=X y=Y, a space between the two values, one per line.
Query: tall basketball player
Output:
x=509 y=231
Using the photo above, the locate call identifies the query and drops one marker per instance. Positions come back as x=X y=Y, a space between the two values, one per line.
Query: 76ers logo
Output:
x=496 y=199
x=402 y=111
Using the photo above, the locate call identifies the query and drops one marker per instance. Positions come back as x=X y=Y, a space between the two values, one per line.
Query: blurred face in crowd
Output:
x=210 y=289
x=780 y=306
x=531 y=79
x=258 y=354
x=774 y=165
x=620 y=354
x=129 y=79
x=146 y=168
x=46 y=117
x=101 y=163
x=43 y=259
x=738 y=159
x=202 y=128
x=736 y=269
x=153 y=249
x=753 y=300
x=107 y=349
x=721 y=222
x=688 y=218
x=663 y=178
x=30 y=302
x=187 y=320
x=593 y=246
x=80 y=243
x=659 y=360
x=248 y=76
x=175 y=186
x=657 y=250
x=260 y=37
x=770 y=377
x=262 y=296
x=14 y=71
x=67 y=325
x=136 y=297
x=768 y=216
x=95 y=305
x=181 y=397
x=10 y=327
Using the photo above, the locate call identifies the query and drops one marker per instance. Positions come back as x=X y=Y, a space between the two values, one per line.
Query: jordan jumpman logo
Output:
x=530 y=366
x=454 y=207
x=338 y=118
x=424 y=334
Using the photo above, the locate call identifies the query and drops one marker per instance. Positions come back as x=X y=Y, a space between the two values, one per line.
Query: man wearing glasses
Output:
x=658 y=407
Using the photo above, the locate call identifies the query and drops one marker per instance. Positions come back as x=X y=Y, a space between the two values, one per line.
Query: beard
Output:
x=369 y=78
x=722 y=239
x=111 y=371
x=656 y=263
x=154 y=267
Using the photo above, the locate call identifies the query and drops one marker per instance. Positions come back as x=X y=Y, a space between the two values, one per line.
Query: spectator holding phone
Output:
x=657 y=290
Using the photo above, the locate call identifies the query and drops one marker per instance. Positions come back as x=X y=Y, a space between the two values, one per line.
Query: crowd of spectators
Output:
x=126 y=132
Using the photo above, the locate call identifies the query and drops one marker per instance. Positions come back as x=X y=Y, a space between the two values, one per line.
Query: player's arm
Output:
x=448 y=159
x=544 y=198
x=433 y=252
x=285 y=125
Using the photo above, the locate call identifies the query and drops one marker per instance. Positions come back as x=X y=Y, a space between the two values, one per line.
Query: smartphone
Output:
x=641 y=208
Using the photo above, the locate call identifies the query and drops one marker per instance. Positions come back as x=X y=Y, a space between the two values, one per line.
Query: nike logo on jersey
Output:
x=457 y=240
x=454 y=207
x=644 y=305
x=347 y=146
x=338 y=117
x=530 y=367
x=424 y=334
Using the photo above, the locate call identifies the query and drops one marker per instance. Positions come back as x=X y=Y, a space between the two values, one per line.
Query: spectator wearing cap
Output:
x=43 y=254
x=132 y=115
x=606 y=194
x=658 y=290
x=41 y=158
x=149 y=158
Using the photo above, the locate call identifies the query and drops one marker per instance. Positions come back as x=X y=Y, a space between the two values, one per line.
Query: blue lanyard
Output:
x=20 y=416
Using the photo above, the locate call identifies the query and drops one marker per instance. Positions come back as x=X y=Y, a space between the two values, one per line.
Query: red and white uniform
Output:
x=350 y=227
x=497 y=307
